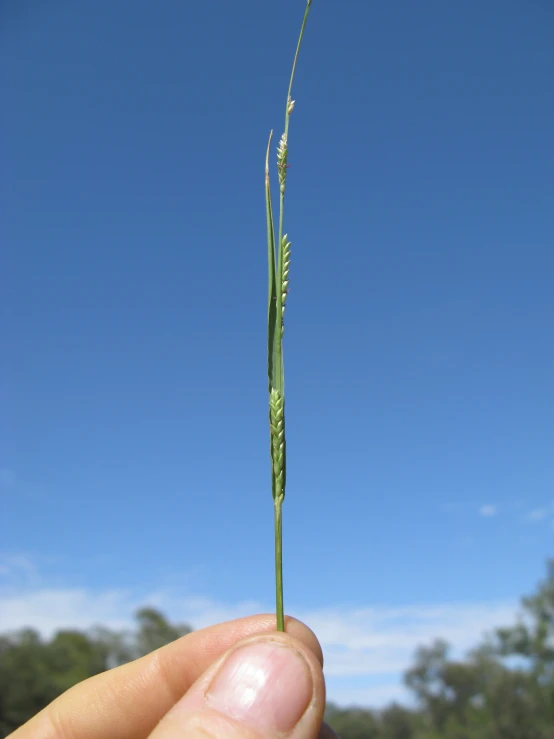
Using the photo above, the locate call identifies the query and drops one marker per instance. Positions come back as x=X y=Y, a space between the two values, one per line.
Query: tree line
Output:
x=503 y=689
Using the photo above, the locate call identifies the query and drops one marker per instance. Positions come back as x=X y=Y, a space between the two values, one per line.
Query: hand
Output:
x=239 y=679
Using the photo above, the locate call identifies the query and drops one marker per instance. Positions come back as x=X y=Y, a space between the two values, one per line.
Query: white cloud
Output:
x=539 y=514
x=366 y=649
x=373 y=641
x=48 y=610
x=488 y=510
x=376 y=696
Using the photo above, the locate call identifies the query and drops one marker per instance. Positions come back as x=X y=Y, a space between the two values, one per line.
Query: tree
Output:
x=397 y=722
x=72 y=657
x=154 y=631
x=25 y=682
x=532 y=638
x=353 y=723
x=34 y=671
x=504 y=689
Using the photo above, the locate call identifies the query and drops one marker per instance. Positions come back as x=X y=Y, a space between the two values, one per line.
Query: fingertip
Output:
x=267 y=685
x=303 y=632
x=229 y=633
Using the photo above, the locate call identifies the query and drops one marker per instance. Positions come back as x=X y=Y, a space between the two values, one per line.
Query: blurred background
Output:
x=134 y=466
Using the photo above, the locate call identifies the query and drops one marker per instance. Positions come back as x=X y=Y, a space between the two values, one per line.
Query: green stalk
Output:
x=278 y=270
x=279 y=567
x=288 y=111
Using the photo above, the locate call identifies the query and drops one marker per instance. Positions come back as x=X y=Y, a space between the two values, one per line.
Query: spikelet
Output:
x=286 y=247
x=282 y=155
x=277 y=429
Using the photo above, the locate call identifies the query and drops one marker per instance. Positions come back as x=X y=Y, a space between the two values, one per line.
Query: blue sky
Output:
x=419 y=356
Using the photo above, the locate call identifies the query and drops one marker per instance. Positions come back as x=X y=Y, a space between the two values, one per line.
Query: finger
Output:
x=127 y=702
x=265 y=687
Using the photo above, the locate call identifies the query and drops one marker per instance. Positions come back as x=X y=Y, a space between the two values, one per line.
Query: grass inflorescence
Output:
x=279 y=255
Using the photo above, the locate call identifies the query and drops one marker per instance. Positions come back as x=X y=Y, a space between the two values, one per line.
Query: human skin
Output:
x=236 y=679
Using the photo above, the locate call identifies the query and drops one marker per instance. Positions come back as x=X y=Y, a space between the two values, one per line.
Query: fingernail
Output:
x=266 y=685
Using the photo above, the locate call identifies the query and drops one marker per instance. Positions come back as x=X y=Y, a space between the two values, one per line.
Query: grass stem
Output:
x=278 y=271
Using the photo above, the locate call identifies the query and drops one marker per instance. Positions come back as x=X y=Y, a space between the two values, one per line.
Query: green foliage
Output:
x=25 y=682
x=154 y=631
x=533 y=637
x=353 y=723
x=34 y=671
x=396 y=722
x=72 y=657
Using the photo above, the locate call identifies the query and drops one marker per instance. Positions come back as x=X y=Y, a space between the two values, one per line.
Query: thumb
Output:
x=265 y=687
